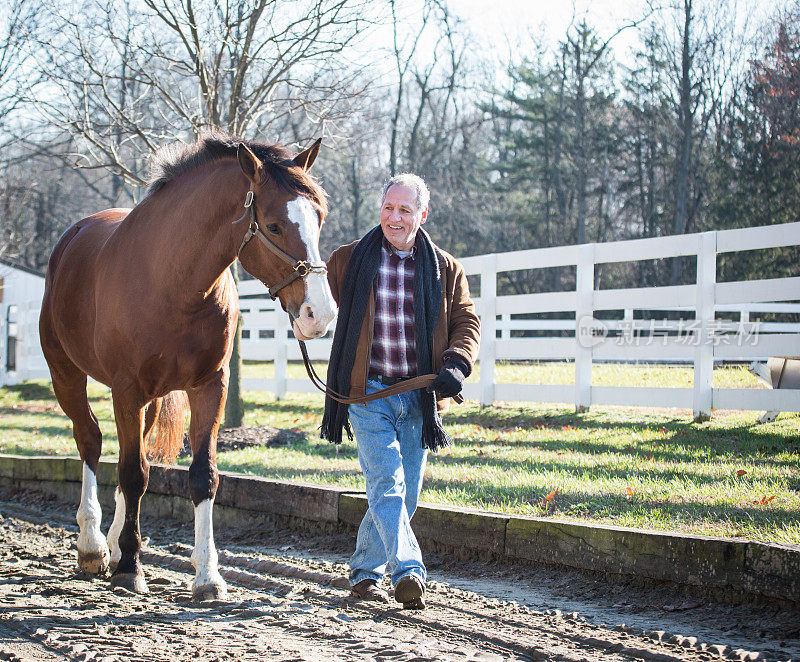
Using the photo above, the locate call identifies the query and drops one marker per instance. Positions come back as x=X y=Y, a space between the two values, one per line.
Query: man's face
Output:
x=400 y=218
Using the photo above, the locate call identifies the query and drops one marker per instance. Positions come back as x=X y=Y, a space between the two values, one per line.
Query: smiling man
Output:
x=404 y=310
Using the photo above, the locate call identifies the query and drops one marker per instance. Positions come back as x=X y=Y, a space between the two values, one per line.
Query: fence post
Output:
x=706 y=297
x=584 y=314
x=488 y=349
x=281 y=350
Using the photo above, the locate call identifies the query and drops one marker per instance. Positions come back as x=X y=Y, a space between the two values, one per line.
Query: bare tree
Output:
x=701 y=46
x=133 y=76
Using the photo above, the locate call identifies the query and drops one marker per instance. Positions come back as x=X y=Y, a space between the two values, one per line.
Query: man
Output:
x=404 y=310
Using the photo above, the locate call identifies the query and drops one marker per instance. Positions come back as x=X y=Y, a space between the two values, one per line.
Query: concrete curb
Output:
x=748 y=569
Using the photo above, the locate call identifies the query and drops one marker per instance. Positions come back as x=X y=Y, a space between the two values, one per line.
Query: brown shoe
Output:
x=411 y=592
x=368 y=589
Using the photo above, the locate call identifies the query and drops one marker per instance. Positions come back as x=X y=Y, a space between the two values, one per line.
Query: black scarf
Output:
x=359 y=276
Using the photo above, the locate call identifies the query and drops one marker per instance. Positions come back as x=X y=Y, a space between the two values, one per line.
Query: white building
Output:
x=21 y=291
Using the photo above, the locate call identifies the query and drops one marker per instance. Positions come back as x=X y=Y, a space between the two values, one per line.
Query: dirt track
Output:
x=288 y=602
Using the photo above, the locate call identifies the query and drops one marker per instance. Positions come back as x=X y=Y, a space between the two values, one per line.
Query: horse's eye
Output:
x=274 y=228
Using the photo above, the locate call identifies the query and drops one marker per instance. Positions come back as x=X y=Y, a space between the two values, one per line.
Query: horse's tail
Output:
x=166 y=436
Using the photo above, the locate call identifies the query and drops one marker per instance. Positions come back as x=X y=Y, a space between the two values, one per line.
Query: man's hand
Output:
x=448 y=383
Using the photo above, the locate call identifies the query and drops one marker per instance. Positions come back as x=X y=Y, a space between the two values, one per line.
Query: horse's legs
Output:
x=151 y=414
x=134 y=472
x=69 y=384
x=206 y=403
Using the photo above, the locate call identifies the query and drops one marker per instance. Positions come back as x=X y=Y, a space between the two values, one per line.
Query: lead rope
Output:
x=421 y=381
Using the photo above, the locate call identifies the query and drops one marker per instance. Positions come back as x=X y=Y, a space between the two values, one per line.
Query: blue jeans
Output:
x=389 y=439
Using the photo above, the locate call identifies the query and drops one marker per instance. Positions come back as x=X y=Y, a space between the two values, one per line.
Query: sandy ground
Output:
x=288 y=601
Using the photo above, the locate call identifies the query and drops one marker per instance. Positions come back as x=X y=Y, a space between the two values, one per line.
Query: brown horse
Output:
x=142 y=300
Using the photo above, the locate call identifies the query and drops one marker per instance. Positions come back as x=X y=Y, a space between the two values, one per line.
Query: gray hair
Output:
x=415 y=183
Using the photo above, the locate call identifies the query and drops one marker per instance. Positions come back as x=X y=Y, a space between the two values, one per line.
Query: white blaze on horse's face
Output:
x=318 y=310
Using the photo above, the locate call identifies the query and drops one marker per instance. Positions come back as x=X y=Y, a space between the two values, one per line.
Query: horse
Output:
x=143 y=301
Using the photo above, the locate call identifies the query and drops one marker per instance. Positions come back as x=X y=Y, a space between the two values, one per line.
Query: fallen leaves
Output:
x=549 y=500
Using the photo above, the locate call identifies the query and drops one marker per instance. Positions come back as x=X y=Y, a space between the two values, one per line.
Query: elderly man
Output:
x=404 y=310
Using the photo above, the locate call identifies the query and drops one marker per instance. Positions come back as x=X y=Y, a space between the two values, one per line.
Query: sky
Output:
x=496 y=23
x=498 y=20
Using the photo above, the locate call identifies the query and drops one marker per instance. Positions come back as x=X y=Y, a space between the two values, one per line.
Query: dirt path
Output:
x=288 y=602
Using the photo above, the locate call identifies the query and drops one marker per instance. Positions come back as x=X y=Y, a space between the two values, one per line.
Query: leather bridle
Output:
x=300 y=268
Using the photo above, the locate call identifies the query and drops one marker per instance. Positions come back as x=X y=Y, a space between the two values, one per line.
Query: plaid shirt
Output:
x=394 y=352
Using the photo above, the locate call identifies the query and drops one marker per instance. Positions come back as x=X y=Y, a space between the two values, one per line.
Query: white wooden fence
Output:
x=703 y=339
x=570 y=325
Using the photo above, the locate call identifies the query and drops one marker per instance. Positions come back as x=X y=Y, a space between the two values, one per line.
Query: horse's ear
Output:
x=306 y=158
x=249 y=162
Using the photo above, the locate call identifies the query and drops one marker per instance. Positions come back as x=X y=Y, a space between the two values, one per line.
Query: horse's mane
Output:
x=172 y=161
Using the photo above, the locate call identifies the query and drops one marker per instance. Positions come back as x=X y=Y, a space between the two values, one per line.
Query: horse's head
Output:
x=281 y=248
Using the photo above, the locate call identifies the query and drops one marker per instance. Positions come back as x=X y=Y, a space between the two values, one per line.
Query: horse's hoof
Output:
x=212 y=591
x=130 y=581
x=95 y=563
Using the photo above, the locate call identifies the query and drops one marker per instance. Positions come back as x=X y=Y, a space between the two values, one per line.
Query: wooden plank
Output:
x=258 y=350
x=646 y=249
x=288 y=498
x=258 y=384
x=584 y=323
x=251 y=287
x=769 y=236
x=644 y=298
x=643 y=349
x=318 y=350
x=487 y=352
x=535 y=392
x=535 y=258
x=758 y=399
x=764 y=344
x=642 y=396
x=543 y=302
x=687 y=559
x=704 y=351
x=534 y=349
x=472 y=391
x=452 y=527
x=537 y=325
x=750 y=291
x=169 y=479
x=772 y=569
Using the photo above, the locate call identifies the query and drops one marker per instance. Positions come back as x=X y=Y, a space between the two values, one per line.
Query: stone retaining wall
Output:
x=747 y=568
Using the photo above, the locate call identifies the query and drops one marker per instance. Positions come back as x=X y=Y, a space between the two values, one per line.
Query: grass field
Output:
x=649 y=468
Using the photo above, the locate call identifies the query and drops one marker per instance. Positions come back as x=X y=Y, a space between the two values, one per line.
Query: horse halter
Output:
x=300 y=268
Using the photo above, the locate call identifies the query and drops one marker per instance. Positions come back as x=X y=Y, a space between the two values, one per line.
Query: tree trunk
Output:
x=684 y=152
x=234 y=408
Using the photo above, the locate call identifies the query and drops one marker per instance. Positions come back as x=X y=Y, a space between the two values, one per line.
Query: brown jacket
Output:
x=457 y=330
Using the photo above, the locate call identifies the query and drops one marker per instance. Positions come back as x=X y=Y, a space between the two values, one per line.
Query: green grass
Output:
x=648 y=468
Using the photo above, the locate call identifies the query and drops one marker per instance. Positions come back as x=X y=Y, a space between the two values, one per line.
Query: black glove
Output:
x=448 y=383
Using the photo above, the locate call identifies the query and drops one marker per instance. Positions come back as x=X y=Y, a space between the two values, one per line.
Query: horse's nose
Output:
x=307 y=312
